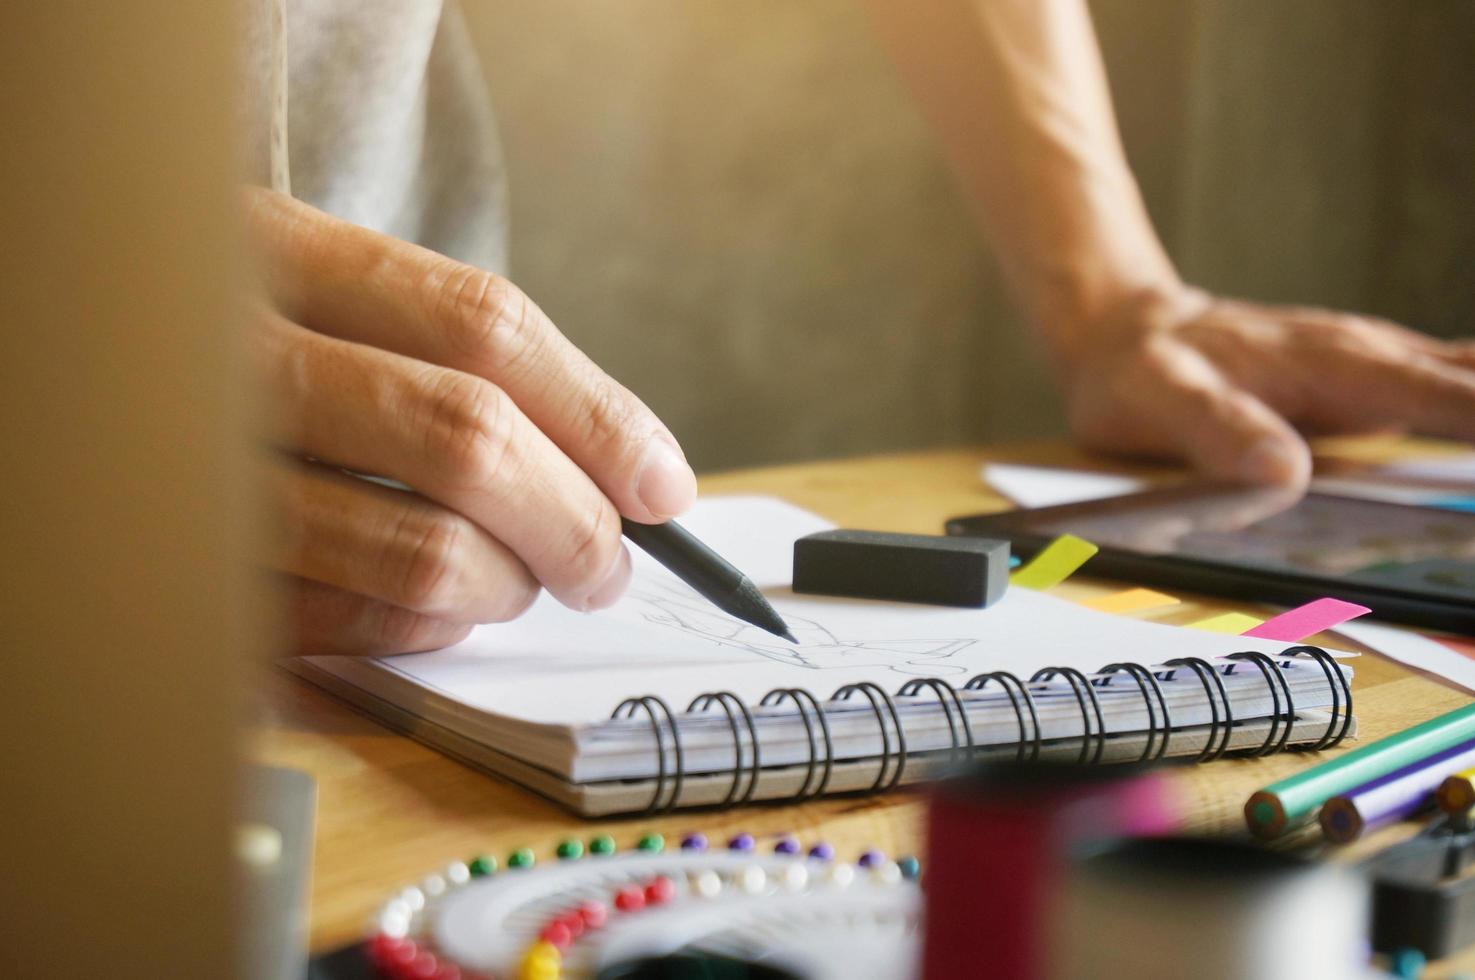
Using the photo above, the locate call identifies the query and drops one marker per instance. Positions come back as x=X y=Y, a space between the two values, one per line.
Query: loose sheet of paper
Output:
x=568 y=668
x=1415 y=650
x=1048 y=486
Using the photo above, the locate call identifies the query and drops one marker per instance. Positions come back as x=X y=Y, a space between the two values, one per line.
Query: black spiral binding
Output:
x=1083 y=689
x=728 y=702
x=878 y=697
x=1017 y=691
x=891 y=764
x=1274 y=678
x=1213 y=684
x=1341 y=722
x=947 y=696
x=1147 y=682
x=807 y=703
x=627 y=709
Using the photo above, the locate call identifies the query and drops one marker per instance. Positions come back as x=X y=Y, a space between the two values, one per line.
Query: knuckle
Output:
x=429 y=552
x=593 y=542
x=469 y=431
x=492 y=323
x=404 y=630
x=609 y=415
x=517 y=598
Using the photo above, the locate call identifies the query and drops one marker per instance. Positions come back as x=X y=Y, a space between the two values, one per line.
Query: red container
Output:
x=998 y=844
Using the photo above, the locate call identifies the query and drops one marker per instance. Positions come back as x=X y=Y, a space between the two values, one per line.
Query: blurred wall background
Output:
x=735 y=209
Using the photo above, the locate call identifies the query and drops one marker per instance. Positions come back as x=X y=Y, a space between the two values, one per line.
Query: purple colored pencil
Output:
x=1391 y=797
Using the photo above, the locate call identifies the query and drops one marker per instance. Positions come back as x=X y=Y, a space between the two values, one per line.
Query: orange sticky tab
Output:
x=1132 y=600
x=1056 y=563
x=1232 y=623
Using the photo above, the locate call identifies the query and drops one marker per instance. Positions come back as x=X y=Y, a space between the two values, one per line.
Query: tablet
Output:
x=1408 y=564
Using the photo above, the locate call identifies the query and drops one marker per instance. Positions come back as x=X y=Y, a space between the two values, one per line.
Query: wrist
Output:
x=1081 y=336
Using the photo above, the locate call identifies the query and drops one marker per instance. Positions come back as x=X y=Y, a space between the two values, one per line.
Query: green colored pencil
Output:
x=1294 y=800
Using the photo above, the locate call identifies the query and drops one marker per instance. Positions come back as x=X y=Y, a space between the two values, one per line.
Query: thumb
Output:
x=1222 y=429
x=1230 y=434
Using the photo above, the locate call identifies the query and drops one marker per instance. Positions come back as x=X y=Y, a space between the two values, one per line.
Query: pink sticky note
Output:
x=1303 y=621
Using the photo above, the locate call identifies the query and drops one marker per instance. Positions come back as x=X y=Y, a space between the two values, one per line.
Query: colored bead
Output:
x=433 y=886
x=458 y=873
x=403 y=955
x=653 y=843
x=557 y=933
x=742 y=842
x=793 y=877
x=1407 y=962
x=570 y=849
x=707 y=884
x=413 y=898
x=823 y=851
x=521 y=858
x=393 y=923
x=482 y=866
x=594 y=913
x=448 y=971
x=839 y=875
x=573 y=922
x=871 y=859
x=886 y=873
x=911 y=868
x=631 y=898
x=423 y=967
x=694 y=842
x=660 y=890
x=541 y=962
x=394 y=918
x=538 y=968
x=787 y=845
x=386 y=950
x=751 y=879
x=603 y=844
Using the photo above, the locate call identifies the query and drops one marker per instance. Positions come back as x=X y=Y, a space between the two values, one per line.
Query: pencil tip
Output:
x=790 y=637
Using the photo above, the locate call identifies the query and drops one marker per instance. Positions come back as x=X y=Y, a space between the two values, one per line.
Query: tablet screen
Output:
x=1417 y=549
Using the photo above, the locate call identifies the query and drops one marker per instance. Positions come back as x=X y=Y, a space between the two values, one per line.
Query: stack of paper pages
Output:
x=533 y=700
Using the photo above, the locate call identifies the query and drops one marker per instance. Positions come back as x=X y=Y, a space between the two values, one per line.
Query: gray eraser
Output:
x=937 y=569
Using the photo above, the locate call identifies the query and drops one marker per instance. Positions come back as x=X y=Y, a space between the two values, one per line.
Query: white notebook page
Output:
x=558 y=667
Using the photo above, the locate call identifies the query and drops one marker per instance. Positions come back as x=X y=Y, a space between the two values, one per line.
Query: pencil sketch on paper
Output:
x=817 y=649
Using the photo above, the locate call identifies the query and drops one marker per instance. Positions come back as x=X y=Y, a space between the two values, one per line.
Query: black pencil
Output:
x=708 y=573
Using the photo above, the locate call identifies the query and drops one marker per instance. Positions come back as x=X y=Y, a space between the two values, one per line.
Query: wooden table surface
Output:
x=390 y=810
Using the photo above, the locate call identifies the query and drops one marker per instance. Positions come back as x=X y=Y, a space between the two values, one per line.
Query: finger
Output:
x=396 y=547
x=360 y=285
x=1460 y=353
x=1224 y=430
x=329 y=621
x=457 y=440
x=1386 y=333
x=1393 y=384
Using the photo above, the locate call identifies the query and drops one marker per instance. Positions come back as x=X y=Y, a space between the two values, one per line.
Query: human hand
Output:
x=1231 y=386
x=387 y=359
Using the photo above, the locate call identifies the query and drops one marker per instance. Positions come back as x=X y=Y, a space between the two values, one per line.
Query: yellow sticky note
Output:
x=1231 y=623
x=1129 y=601
x=1056 y=563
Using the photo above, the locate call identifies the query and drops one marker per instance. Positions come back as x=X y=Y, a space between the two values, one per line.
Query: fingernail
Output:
x=1276 y=462
x=613 y=587
x=666 y=485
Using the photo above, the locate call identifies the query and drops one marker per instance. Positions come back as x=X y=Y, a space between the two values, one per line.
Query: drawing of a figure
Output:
x=817 y=649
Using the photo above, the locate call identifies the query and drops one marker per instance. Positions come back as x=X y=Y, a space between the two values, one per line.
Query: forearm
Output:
x=1017 y=92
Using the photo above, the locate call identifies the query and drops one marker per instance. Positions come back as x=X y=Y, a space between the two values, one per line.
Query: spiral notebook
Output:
x=663 y=701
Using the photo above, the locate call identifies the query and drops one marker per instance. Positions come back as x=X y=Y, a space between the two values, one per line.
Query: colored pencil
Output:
x=1389 y=798
x=1457 y=793
x=1295 y=800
